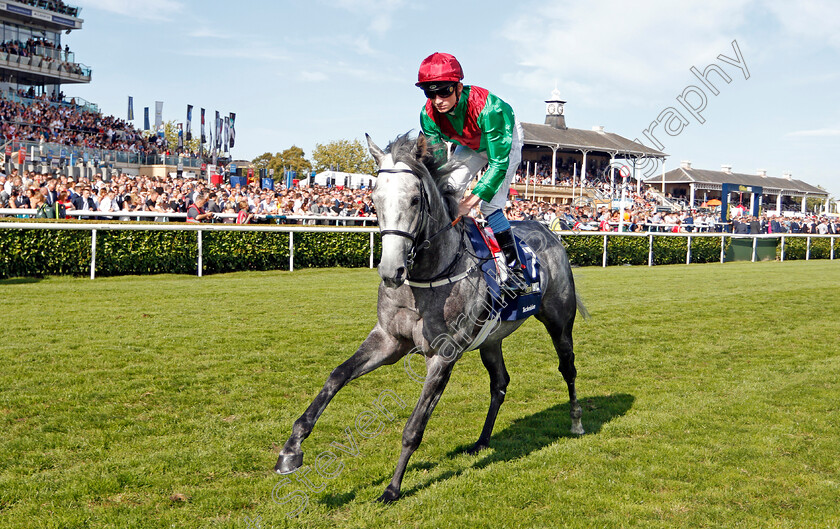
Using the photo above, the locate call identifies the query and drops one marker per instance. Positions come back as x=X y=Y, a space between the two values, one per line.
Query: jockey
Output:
x=486 y=133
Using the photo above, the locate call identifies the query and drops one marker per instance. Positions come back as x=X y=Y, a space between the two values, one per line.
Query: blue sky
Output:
x=302 y=73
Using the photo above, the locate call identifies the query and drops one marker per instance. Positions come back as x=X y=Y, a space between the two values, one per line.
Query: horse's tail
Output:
x=581 y=307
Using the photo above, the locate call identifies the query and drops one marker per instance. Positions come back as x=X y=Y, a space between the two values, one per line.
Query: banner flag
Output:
x=130 y=108
x=146 y=118
x=189 y=122
x=232 y=130
x=227 y=134
x=218 y=131
x=180 y=135
x=203 y=137
x=158 y=115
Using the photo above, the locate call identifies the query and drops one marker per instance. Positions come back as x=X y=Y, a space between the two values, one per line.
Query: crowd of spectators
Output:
x=644 y=214
x=125 y=194
x=49 y=118
x=53 y=5
x=45 y=49
x=43 y=120
x=566 y=175
x=33 y=46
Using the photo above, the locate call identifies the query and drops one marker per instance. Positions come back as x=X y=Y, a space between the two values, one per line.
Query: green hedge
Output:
x=588 y=250
x=796 y=247
x=52 y=252
x=37 y=253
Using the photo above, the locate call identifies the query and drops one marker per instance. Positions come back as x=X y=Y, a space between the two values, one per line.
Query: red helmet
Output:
x=439 y=67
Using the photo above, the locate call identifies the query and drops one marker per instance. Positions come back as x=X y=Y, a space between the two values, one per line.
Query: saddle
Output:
x=507 y=306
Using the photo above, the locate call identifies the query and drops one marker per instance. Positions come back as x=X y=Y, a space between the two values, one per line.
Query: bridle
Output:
x=423 y=220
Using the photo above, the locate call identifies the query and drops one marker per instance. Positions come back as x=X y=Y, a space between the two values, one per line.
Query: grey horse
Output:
x=433 y=301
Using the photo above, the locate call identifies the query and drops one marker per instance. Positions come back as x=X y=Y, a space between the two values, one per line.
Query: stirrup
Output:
x=515 y=284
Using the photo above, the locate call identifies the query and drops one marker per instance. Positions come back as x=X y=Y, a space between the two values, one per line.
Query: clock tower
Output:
x=554 y=111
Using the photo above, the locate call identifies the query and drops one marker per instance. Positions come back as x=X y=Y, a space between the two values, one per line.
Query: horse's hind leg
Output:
x=378 y=348
x=491 y=357
x=561 y=336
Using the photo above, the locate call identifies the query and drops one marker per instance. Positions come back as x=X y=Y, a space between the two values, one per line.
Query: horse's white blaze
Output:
x=393 y=214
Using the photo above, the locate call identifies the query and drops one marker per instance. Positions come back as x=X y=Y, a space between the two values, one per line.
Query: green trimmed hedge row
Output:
x=796 y=247
x=36 y=253
x=588 y=250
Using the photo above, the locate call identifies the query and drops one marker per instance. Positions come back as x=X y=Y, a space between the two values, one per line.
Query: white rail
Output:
x=111 y=215
x=200 y=228
x=690 y=236
x=291 y=230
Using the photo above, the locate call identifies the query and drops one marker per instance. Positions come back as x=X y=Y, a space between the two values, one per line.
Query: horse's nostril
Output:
x=400 y=273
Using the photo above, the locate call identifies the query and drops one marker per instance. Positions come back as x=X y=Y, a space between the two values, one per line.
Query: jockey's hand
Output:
x=467 y=204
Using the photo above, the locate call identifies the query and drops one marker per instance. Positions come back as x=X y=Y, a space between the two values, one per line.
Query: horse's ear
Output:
x=375 y=151
x=422 y=147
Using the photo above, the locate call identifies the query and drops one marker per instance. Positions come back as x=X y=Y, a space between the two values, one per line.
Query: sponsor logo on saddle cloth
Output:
x=507 y=308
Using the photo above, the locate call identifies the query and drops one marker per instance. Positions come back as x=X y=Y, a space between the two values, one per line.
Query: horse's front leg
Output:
x=438 y=370
x=379 y=348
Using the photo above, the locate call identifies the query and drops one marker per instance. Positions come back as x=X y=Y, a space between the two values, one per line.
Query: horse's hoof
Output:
x=288 y=463
x=477 y=447
x=388 y=496
x=577 y=429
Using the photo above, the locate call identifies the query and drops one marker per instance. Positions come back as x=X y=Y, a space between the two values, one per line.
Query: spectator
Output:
x=196 y=213
x=244 y=216
x=84 y=202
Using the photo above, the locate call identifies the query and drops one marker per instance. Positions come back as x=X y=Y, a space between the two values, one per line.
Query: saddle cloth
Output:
x=485 y=247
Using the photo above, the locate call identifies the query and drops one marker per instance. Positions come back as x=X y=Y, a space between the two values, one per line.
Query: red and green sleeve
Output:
x=482 y=122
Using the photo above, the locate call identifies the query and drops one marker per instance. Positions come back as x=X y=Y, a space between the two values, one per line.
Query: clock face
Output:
x=551 y=109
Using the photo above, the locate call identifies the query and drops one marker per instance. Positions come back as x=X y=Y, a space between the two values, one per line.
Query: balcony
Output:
x=54 y=14
x=43 y=69
x=56 y=6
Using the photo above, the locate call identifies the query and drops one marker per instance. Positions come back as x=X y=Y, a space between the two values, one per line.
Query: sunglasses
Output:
x=443 y=91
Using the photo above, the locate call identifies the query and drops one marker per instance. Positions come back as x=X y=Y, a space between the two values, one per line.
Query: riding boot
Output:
x=516 y=282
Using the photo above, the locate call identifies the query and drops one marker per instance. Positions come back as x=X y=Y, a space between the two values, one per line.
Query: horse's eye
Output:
x=415 y=201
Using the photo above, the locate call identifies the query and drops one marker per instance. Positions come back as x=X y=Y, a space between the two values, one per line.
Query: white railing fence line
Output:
x=200 y=228
x=177 y=215
x=690 y=236
x=291 y=230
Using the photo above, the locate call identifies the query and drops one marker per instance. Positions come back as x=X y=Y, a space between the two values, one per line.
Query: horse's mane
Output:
x=428 y=161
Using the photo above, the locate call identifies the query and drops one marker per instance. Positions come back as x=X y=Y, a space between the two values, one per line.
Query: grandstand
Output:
x=695 y=186
x=45 y=131
x=555 y=153
x=33 y=61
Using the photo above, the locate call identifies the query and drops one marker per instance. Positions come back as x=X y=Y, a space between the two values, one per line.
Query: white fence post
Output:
x=688 y=251
x=783 y=249
x=604 y=263
x=92 y=254
x=755 y=244
x=722 y=248
x=832 y=248
x=650 y=249
x=200 y=251
x=808 y=250
x=291 y=251
x=371 y=249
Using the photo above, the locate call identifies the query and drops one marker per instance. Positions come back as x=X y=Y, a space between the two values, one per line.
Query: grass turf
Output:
x=709 y=396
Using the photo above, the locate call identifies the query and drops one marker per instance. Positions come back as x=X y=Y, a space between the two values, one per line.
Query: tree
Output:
x=262 y=161
x=292 y=158
x=343 y=155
